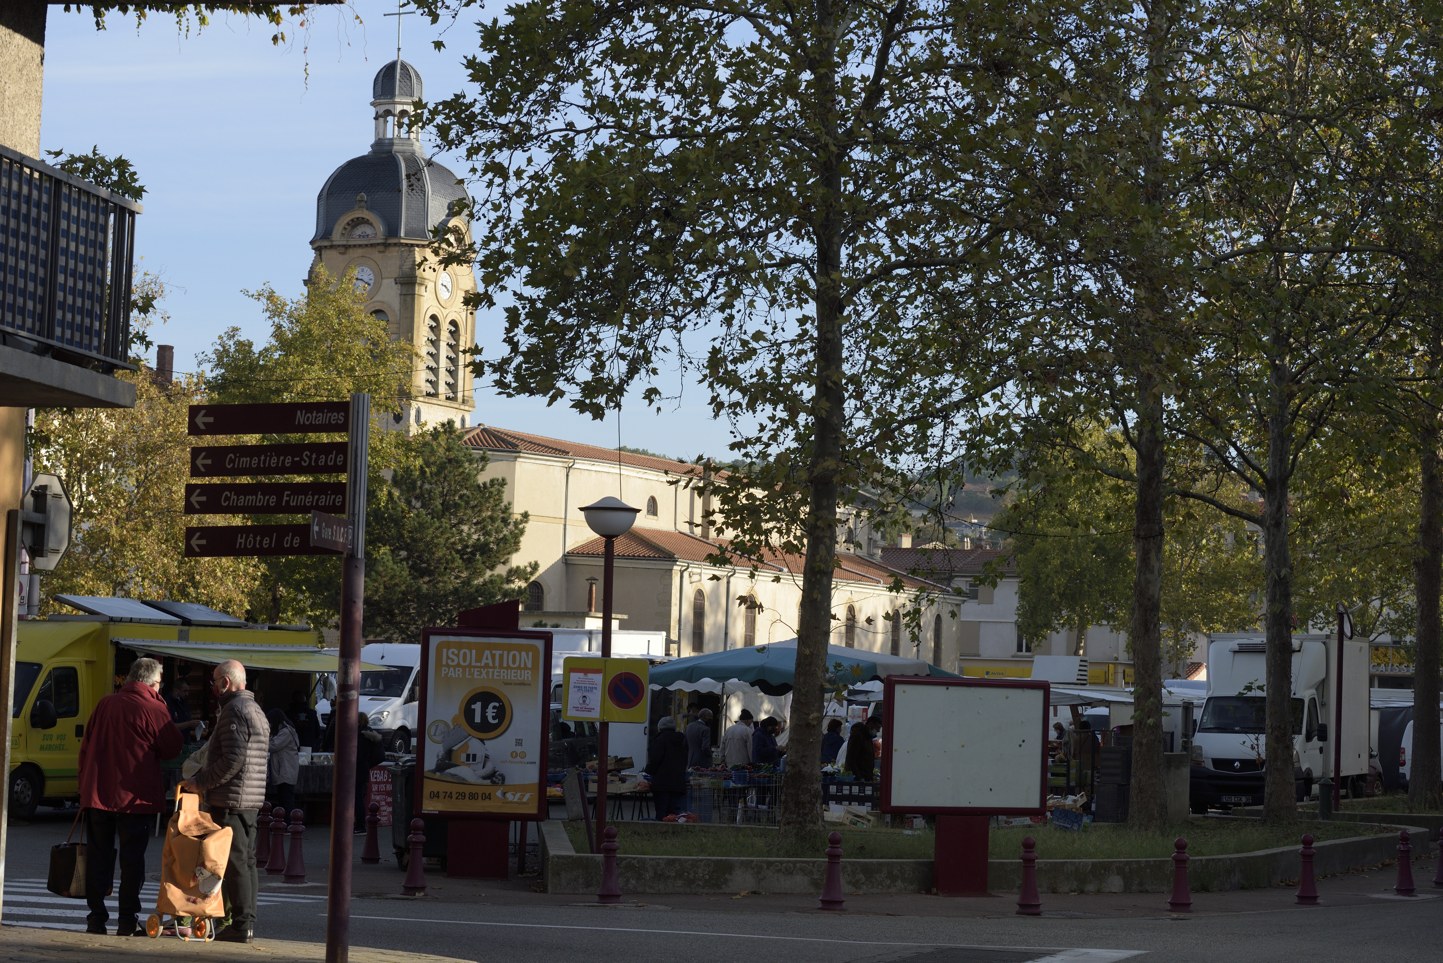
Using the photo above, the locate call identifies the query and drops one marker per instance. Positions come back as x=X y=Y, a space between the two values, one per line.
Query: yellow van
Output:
x=64 y=666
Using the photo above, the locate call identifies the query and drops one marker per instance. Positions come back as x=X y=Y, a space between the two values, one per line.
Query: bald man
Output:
x=233 y=783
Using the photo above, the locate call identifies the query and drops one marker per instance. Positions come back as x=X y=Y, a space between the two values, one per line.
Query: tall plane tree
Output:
x=791 y=203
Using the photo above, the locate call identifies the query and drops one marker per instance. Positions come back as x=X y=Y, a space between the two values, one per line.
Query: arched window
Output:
x=937 y=640
x=698 y=621
x=749 y=622
x=651 y=509
x=535 y=598
x=896 y=632
x=851 y=636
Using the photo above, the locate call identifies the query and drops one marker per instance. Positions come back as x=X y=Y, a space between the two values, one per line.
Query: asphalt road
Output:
x=478 y=920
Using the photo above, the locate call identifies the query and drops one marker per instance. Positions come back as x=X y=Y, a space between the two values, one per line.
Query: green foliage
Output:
x=322 y=347
x=113 y=173
x=441 y=539
x=125 y=470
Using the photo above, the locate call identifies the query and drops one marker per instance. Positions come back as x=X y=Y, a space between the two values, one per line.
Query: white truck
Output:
x=1227 y=752
x=388 y=695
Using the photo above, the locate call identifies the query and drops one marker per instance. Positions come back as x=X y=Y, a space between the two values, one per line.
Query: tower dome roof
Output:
x=409 y=194
x=397 y=80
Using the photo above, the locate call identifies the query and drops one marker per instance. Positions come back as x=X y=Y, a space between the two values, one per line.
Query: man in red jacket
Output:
x=121 y=790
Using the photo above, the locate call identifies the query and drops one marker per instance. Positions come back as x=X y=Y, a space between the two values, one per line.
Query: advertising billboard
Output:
x=484 y=717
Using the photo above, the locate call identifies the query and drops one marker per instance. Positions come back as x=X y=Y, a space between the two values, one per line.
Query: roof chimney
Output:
x=164 y=364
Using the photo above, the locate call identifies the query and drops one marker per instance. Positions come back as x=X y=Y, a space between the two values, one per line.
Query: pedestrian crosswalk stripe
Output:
x=29 y=903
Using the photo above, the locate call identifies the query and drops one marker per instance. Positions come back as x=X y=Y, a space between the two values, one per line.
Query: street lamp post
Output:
x=610 y=518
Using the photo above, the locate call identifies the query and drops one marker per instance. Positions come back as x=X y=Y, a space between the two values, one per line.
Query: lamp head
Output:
x=609 y=517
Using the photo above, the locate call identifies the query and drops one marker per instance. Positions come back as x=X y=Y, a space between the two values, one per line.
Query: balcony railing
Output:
x=66 y=252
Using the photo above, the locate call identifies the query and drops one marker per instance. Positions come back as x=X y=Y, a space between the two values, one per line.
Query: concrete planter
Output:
x=568 y=872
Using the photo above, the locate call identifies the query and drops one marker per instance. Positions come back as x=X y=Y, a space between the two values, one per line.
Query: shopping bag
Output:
x=67 y=864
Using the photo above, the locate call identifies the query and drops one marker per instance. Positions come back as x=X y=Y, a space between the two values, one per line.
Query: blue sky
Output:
x=233 y=138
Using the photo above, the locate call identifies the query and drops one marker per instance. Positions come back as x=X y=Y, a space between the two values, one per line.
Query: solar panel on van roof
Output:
x=118 y=609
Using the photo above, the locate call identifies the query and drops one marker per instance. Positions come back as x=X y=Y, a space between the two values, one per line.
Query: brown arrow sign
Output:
x=299 y=418
x=264 y=498
x=210 y=541
x=317 y=458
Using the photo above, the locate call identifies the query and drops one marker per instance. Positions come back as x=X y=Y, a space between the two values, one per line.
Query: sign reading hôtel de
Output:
x=316 y=499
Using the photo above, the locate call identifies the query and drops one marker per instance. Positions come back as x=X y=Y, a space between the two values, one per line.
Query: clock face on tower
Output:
x=365 y=278
x=361 y=231
x=443 y=285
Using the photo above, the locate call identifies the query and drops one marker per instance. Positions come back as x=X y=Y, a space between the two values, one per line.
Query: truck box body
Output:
x=1228 y=747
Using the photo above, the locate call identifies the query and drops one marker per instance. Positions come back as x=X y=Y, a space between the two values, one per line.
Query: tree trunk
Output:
x=1424 y=784
x=1279 y=797
x=1147 y=804
x=801 y=803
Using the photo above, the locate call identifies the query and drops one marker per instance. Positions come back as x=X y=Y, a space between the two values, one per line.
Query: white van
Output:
x=1405 y=755
x=388 y=696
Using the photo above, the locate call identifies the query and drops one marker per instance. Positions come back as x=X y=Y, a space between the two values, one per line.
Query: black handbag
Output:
x=67 y=864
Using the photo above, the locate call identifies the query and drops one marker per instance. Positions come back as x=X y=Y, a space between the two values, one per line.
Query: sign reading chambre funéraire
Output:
x=486 y=709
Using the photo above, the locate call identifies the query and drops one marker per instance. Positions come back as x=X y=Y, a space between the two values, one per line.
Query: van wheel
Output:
x=24 y=792
x=401 y=741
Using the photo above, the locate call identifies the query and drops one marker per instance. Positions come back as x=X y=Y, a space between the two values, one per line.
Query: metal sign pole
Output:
x=348 y=681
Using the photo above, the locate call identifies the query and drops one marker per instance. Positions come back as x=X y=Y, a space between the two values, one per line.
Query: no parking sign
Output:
x=622 y=685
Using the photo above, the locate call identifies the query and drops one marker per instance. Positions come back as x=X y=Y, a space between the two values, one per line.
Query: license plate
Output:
x=1238 y=800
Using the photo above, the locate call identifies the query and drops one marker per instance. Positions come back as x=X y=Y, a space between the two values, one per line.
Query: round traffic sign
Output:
x=626 y=690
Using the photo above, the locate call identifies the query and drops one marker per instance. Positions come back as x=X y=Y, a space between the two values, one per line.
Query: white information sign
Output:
x=965 y=746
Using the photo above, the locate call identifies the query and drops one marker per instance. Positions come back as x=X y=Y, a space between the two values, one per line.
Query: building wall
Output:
x=658 y=595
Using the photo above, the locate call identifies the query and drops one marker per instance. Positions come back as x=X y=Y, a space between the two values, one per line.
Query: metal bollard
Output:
x=1307 y=887
x=1404 y=886
x=1028 y=901
x=276 y=865
x=263 y=836
x=1438 y=876
x=832 y=898
x=295 y=858
x=371 y=852
x=610 y=891
x=1181 y=899
x=415 y=884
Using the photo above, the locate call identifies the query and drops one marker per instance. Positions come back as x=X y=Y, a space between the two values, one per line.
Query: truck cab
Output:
x=390 y=681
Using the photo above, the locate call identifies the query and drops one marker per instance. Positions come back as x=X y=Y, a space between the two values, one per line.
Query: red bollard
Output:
x=295 y=858
x=371 y=852
x=263 y=836
x=415 y=884
x=1181 y=899
x=1307 y=888
x=832 y=898
x=1028 y=902
x=1404 y=886
x=610 y=891
x=276 y=865
x=1438 y=876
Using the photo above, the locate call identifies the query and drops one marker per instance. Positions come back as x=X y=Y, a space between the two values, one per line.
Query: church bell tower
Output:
x=376 y=217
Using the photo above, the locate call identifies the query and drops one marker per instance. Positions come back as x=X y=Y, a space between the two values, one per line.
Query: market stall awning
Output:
x=279 y=658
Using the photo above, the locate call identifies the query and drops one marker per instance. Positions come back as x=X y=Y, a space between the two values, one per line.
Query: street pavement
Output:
x=462 y=919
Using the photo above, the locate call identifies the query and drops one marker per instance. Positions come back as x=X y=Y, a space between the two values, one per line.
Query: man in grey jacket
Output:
x=233 y=783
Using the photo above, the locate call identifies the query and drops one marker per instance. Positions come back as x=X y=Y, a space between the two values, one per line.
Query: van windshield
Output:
x=25 y=675
x=388 y=683
x=1242 y=714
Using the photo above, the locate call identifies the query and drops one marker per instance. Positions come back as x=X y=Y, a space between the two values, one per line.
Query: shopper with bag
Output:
x=232 y=781
x=121 y=790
